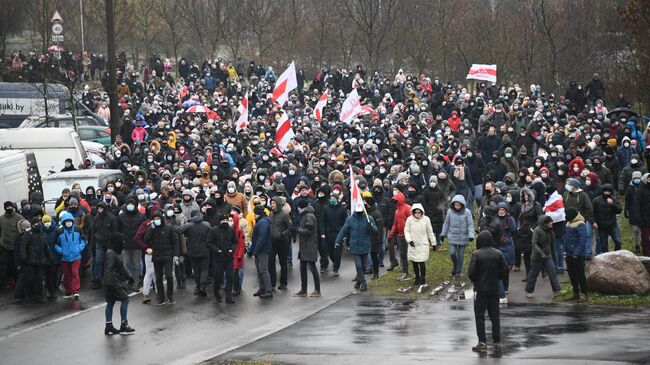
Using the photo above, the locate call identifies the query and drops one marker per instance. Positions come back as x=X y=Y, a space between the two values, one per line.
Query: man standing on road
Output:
x=261 y=247
x=486 y=267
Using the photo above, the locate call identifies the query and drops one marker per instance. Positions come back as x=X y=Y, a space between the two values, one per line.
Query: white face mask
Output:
x=568 y=187
x=544 y=175
x=433 y=185
x=576 y=169
x=169 y=213
x=130 y=207
x=292 y=172
x=509 y=199
x=230 y=224
x=231 y=190
x=508 y=155
x=634 y=161
x=588 y=182
x=47 y=224
x=156 y=222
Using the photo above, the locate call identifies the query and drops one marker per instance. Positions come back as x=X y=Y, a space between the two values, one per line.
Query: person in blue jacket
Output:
x=261 y=247
x=358 y=227
x=575 y=247
x=69 y=246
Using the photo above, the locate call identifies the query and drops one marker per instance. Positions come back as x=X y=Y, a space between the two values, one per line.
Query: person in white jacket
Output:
x=419 y=235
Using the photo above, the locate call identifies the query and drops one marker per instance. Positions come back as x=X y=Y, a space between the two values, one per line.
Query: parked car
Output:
x=60 y=121
x=54 y=184
x=94 y=133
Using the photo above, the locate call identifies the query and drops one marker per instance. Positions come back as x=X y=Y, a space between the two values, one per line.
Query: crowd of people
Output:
x=547 y=176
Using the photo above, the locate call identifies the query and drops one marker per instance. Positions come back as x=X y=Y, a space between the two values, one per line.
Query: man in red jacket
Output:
x=402 y=212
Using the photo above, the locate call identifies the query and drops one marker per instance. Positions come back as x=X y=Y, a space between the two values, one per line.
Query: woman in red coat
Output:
x=240 y=252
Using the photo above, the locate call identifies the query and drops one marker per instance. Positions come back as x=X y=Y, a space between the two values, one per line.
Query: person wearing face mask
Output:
x=575 y=167
x=195 y=232
x=188 y=205
x=8 y=232
x=575 y=197
x=24 y=227
x=53 y=268
x=510 y=161
x=420 y=237
x=396 y=235
x=222 y=242
x=359 y=228
x=542 y=242
x=641 y=207
x=128 y=223
x=117 y=280
x=496 y=170
x=332 y=219
x=604 y=173
x=235 y=198
x=221 y=206
x=507 y=230
x=626 y=173
x=632 y=215
x=69 y=246
x=163 y=242
x=592 y=185
x=307 y=234
x=434 y=207
x=35 y=256
x=606 y=209
x=458 y=227
x=102 y=227
x=176 y=220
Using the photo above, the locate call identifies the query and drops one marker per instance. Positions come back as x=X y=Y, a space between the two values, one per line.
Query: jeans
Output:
x=303 y=275
x=165 y=268
x=98 y=263
x=71 y=276
x=576 y=268
x=108 y=312
x=262 y=265
x=149 y=275
x=603 y=238
x=280 y=248
x=537 y=266
x=360 y=262
x=221 y=268
x=478 y=195
x=457 y=254
x=403 y=254
x=133 y=262
x=200 y=267
x=487 y=301
x=558 y=253
x=590 y=236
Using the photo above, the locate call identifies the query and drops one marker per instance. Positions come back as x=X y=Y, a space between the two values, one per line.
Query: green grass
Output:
x=615 y=300
x=438 y=270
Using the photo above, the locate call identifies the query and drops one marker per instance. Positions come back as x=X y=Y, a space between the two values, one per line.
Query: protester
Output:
x=70 y=246
x=420 y=237
x=543 y=238
x=358 y=229
x=576 y=239
x=116 y=280
x=459 y=231
x=307 y=232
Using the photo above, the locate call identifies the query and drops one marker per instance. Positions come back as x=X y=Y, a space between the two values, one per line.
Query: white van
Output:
x=51 y=146
x=54 y=184
x=19 y=175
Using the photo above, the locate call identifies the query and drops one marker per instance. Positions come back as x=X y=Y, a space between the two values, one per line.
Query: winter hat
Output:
x=415 y=169
x=570 y=214
x=259 y=210
x=8 y=204
x=46 y=218
x=636 y=175
x=485 y=239
x=194 y=213
x=370 y=200
x=280 y=188
x=73 y=201
x=35 y=220
x=508 y=150
x=376 y=182
x=575 y=183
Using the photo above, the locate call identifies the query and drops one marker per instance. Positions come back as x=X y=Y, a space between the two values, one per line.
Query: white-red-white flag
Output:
x=242 y=121
x=365 y=109
x=554 y=207
x=286 y=82
x=351 y=107
x=283 y=133
x=355 y=193
x=318 y=109
x=483 y=72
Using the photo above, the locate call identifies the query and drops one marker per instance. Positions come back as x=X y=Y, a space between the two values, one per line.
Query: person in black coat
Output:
x=531 y=210
x=630 y=213
x=163 y=241
x=102 y=227
x=196 y=232
x=376 y=239
x=606 y=209
x=128 y=223
x=486 y=267
x=36 y=256
x=117 y=281
x=435 y=206
x=222 y=241
x=332 y=219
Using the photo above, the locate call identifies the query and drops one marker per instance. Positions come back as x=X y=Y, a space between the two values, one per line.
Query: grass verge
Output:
x=438 y=270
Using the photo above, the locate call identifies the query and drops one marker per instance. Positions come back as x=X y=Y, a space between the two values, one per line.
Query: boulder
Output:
x=618 y=272
x=645 y=260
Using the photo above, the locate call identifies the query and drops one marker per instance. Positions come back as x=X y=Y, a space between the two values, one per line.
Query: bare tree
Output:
x=233 y=26
x=263 y=16
x=12 y=19
x=549 y=21
x=171 y=12
x=39 y=14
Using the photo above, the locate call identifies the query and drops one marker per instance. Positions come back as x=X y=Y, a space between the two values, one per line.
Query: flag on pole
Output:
x=365 y=109
x=242 y=121
x=355 y=193
x=286 y=82
x=318 y=109
x=483 y=72
x=283 y=133
x=351 y=107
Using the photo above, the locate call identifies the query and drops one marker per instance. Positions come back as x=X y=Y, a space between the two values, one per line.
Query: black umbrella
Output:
x=625 y=110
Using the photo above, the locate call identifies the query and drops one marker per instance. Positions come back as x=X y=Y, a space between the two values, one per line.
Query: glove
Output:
x=412 y=244
x=176 y=260
x=337 y=245
x=181 y=259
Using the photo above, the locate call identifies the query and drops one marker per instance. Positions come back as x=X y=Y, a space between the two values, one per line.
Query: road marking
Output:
x=55 y=320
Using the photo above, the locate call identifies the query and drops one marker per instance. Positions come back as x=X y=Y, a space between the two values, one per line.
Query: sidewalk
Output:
x=543 y=291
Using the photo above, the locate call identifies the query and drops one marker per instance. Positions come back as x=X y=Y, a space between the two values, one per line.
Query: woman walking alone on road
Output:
x=116 y=281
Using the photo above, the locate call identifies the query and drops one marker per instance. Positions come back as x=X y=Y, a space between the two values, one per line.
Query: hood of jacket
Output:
x=68 y=217
x=543 y=220
x=279 y=201
x=198 y=218
x=400 y=199
x=308 y=209
x=576 y=221
x=417 y=206
x=458 y=199
x=485 y=239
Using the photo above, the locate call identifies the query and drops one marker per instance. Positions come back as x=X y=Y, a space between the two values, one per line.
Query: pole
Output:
x=112 y=70
x=81 y=16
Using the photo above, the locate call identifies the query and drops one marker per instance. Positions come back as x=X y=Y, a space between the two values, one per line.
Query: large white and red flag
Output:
x=286 y=82
x=351 y=107
x=483 y=72
x=283 y=133
x=554 y=207
x=355 y=193
x=242 y=121
x=318 y=109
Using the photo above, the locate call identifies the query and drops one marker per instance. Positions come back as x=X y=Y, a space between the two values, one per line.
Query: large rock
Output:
x=618 y=272
x=645 y=260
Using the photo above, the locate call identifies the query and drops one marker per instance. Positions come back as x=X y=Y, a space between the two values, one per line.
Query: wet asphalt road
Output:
x=365 y=330
x=192 y=330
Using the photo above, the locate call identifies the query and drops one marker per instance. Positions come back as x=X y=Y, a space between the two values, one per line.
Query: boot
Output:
x=229 y=299
x=110 y=330
x=125 y=329
x=146 y=299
